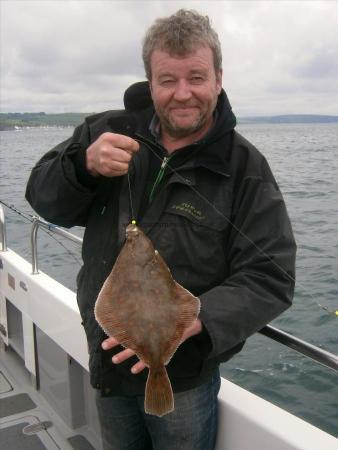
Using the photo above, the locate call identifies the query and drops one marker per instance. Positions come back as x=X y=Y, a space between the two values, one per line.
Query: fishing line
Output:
x=131 y=201
x=261 y=251
x=20 y=213
x=31 y=218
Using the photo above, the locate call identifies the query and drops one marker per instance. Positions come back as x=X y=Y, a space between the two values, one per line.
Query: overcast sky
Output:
x=279 y=57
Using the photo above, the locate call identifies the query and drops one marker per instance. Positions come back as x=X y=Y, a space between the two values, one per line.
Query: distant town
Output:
x=10 y=121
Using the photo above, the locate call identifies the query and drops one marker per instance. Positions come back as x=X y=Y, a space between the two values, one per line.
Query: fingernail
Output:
x=104 y=345
x=115 y=359
x=133 y=370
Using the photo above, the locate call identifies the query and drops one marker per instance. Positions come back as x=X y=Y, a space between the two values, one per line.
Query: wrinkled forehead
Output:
x=162 y=58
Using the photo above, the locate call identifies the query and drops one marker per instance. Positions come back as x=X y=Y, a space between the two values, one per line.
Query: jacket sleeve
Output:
x=59 y=188
x=261 y=258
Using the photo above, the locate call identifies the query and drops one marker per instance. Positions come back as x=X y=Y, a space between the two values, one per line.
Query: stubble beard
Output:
x=177 y=131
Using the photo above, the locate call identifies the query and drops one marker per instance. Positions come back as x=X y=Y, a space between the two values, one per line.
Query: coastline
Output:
x=17 y=121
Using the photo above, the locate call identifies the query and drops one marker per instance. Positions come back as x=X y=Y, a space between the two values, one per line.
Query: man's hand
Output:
x=110 y=155
x=111 y=342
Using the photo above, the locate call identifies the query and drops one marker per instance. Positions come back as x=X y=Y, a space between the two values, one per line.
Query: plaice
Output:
x=146 y=310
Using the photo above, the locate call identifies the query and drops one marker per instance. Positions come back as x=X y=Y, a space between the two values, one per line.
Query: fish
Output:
x=146 y=310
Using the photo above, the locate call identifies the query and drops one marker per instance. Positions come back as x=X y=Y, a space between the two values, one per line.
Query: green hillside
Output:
x=10 y=121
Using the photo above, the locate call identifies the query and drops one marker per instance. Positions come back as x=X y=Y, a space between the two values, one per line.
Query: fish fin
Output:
x=110 y=323
x=113 y=328
x=159 y=397
x=189 y=308
x=190 y=305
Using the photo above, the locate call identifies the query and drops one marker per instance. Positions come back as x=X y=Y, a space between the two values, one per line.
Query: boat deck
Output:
x=27 y=420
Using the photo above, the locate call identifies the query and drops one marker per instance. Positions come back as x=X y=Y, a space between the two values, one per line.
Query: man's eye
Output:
x=166 y=82
x=196 y=79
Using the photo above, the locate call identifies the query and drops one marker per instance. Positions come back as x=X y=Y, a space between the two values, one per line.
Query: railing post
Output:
x=34 y=233
x=3 y=230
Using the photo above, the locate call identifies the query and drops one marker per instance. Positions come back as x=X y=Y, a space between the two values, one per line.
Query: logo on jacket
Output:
x=189 y=209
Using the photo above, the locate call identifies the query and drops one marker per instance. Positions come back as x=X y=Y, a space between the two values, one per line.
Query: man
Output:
x=209 y=203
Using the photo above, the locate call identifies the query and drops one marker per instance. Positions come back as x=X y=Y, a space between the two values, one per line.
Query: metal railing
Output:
x=37 y=223
x=317 y=354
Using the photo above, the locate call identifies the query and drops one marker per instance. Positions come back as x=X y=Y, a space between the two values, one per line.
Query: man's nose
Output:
x=182 y=91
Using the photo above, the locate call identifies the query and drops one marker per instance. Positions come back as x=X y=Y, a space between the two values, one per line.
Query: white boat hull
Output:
x=48 y=315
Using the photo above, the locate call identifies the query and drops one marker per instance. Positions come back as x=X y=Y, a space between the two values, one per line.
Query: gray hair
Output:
x=181 y=34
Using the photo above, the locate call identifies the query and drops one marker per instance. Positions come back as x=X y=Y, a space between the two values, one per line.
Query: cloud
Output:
x=323 y=64
x=80 y=55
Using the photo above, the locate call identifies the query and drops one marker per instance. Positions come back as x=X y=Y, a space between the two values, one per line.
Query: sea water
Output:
x=304 y=160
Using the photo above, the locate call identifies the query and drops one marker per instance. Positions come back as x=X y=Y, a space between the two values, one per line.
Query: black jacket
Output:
x=217 y=218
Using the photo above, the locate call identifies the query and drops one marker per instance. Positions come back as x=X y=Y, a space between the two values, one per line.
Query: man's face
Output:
x=184 y=91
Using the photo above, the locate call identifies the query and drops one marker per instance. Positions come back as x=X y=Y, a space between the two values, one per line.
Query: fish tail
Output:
x=159 y=398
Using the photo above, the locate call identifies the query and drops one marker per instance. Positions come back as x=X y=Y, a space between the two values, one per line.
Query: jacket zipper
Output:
x=150 y=145
x=159 y=177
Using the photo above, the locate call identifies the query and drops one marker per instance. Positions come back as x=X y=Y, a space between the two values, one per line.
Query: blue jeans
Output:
x=191 y=426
